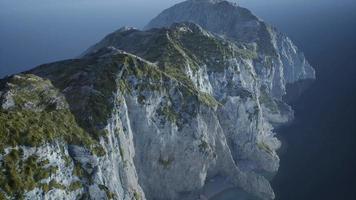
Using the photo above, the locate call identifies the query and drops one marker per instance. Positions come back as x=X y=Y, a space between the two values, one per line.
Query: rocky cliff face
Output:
x=279 y=61
x=154 y=114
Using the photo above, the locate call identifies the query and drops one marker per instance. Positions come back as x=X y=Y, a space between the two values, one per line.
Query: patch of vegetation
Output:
x=30 y=90
x=164 y=49
x=2 y=196
x=89 y=88
x=165 y=162
x=36 y=118
x=122 y=152
x=253 y=113
x=137 y=195
x=169 y=113
x=67 y=159
x=203 y=97
x=99 y=150
x=55 y=185
x=265 y=147
x=109 y=194
x=81 y=173
x=209 y=50
x=147 y=76
x=268 y=101
x=180 y=76
x=75 y=186
x=30 y=128
x=18 y=175
x=141 y=99
x=78 y=171
x=124 y=86
x=208 y=100
x=203 y=146
x=152 y=78
x=247 y=54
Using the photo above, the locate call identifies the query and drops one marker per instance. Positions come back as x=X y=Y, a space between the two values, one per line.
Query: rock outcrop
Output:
x=285 y=63
x=154 y=114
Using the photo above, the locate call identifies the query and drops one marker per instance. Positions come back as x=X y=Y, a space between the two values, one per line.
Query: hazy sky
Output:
x=33 y=32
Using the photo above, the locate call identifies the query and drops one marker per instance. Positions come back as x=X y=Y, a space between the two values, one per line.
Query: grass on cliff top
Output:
x=90 y=88
x=31 y=127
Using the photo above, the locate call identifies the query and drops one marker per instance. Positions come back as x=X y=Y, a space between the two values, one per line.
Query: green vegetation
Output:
x=67 y=159
x=99 y=150
x=2 y=196
x=137 y=195
x=122 y=152
x=32 y=91
x=151 y=78
x=203 y=146
x=265 y=147
x=148 y=76
x=169 y=113
x=180 y=76
x=205 y=49
x=55 y=185
x=247 y=54
x=208 y=100
x=109 y=194
x=203 y=97
x=165 y=162
x=79 y=171
x=42 y=122
x=75 y=186
x=91 y=106
x=268 y=101
x=18 y=175
x=30 y=128
x=124 y=87
x=164 y=49
x=42 y=114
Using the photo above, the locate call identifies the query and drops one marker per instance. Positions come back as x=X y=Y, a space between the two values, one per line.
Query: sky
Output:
x=33 y=32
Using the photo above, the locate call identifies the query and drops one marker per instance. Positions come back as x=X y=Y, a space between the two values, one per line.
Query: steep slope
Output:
x=279 y=61
x=116 y=108
x=224 y=70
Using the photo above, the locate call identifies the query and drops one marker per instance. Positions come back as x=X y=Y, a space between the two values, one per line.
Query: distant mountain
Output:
x=165 y=113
